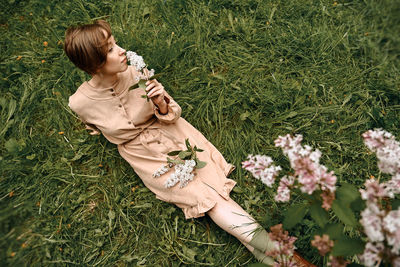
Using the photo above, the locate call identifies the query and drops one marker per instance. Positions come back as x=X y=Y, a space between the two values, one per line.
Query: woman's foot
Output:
x=300 y=261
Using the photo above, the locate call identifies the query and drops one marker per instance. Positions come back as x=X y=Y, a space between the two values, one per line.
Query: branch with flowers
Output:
x=372 y=212
x=144 y=74
x=185 y=162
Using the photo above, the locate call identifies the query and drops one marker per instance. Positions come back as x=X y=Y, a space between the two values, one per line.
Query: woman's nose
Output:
x=122 y=51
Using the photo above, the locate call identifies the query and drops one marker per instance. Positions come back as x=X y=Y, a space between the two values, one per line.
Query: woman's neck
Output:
x=103 y=81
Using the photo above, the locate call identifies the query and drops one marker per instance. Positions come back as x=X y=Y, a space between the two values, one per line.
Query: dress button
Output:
x=113 y=94
x=129 y=122
x=120 y=105
x=112 y=90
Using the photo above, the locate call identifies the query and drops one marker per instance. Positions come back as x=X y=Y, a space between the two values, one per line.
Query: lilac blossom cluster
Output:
x=183 y=174
x=283 y=254
x=387 y=150
x=382 y=226
x=138 y=62
x=310 y=174
x=161 y=171
x=325 y=245
x=261 y=168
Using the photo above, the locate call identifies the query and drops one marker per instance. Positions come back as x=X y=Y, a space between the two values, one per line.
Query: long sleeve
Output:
x=92 y=128
x=174 y=110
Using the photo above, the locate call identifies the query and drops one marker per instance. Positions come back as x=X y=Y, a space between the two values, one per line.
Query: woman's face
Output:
x=116 y=59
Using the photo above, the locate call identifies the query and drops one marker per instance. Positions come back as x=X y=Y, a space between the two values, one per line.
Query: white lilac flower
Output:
x=172 y=180
x=371 y=220
x=372 y=254
x=183 y=174
x=391 y=223
x=138 y=62
x=161 y=171
x=135 y=60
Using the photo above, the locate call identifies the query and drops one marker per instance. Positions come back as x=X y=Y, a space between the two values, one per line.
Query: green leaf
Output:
x=395 y=204
x=198 y=150
x=174 y=153
x=347 y=193
x=358 y=204
x=244 y=116
x=142 y=84
x=294 y=215
x=335 y=231
x=320 y=216
x=146 y=12
x=136 y=85
x=238 y=190
x=200 y=164
x=190 y=253
x=188 y=144
x=175 y=161
x=184 y=154
x=344 y=213
x=12 y=145
x=31 y=157
x=348 y=247
x=111 y=215
x=143 y=96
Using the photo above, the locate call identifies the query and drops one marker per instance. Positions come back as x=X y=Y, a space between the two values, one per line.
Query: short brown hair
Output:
x=87 y=46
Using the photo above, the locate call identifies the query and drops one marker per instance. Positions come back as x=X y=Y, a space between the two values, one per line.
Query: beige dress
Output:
x=144 y=137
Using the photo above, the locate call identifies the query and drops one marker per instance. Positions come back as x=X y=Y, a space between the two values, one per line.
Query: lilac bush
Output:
x=379 y=224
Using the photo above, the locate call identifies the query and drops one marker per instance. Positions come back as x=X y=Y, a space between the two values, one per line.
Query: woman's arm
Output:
x=167 y=110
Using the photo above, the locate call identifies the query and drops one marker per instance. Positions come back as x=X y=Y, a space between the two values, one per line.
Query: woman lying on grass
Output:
x=146 y=131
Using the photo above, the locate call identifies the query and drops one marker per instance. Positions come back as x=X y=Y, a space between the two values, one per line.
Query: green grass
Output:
x=243 y=71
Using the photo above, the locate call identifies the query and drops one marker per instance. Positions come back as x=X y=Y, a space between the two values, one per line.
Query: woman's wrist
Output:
x=163 y=108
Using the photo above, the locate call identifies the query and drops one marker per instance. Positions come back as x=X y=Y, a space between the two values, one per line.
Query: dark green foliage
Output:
x=243 y=71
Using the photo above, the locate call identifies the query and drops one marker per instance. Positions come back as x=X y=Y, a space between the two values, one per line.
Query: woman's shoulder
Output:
x=78 y=99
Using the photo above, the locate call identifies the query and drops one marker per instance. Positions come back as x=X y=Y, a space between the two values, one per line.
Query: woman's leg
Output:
x=228 y=215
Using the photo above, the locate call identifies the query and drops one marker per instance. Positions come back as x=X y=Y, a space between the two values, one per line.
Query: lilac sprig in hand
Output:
x=144 y=74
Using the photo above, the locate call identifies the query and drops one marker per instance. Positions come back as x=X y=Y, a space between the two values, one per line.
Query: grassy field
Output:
x=244 y=73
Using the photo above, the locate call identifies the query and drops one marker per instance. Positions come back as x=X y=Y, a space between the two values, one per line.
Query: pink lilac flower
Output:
x=285 y=246
x=283 y=192
x=391 y=224
x=337 y=262
x=306 y=170
x=287 y=142
x=310 y=173
x=371 y=220
x=387 y=150
x=372 y=255
x=396 y=262
x=261 y=168
x=322 y=243
x=327 y=199
x=392 y=187
x=373 y=191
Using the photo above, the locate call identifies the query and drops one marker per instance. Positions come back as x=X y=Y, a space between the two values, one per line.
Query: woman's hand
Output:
x=155 y=91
